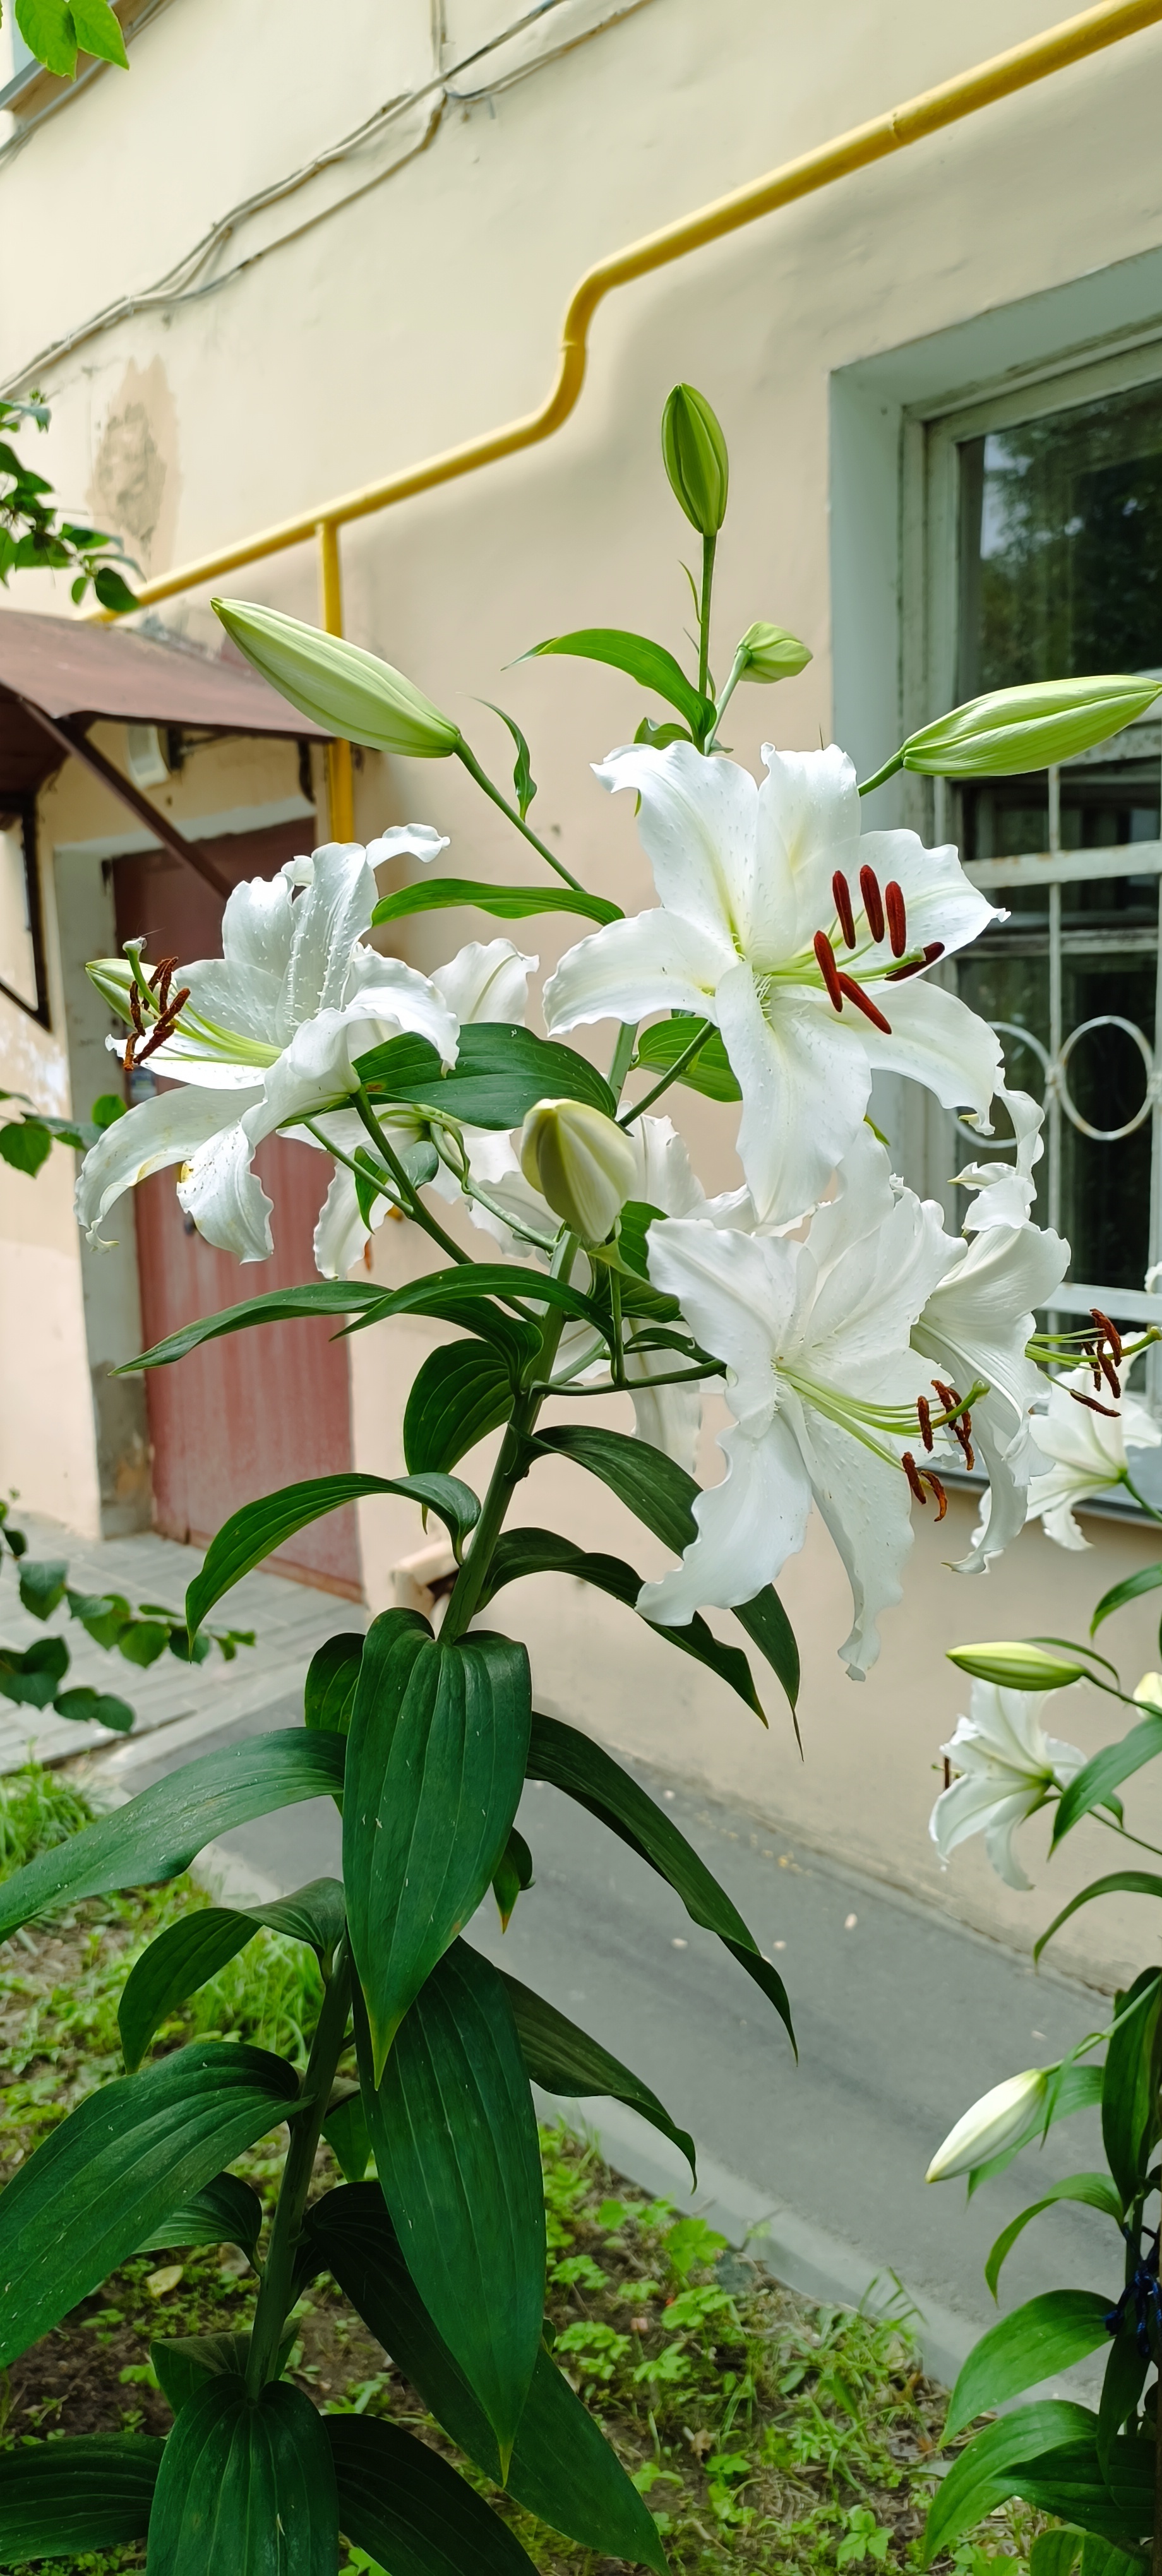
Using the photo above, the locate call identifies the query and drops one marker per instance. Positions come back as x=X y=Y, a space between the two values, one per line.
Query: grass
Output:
x=758 y=2425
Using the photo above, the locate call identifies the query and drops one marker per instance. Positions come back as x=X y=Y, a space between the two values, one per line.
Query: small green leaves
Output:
x=246 y=2487
x=646 y=662
x=191 y=1951
x=1129 y=2099
x=55 y=33
x=1147 y=1579
x=695 y=458
x=1046 y=2335
x=42 y=1584
x=1094 y=2189
x=435 y=1767
x=1017 y=1665
x=25 y=1145
x=34 y=1677
x=505 y=903
x=522 y=1552
x=337 y=684
x=522 y=776
x=279 y=1306
x=1094 y=1785
x=259 y=1528
x=63 y=2499
x=226 y=2211
x=709 y=1072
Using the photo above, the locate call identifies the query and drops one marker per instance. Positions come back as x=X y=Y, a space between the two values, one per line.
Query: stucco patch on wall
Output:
x=135 y=482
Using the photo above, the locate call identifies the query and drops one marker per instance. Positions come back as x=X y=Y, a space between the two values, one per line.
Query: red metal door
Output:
x=258 y=1409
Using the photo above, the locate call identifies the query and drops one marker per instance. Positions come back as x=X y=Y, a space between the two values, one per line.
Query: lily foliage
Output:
x=858 y=1348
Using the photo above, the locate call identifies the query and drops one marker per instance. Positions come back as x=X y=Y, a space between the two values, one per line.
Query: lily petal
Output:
x=939 y=1042
x=226 y=1199
x=487 y=980
x=747 y=1528
x=654 y=962
x=805 y=1086
x=170 y=1128
x=697 y=822
x=867 y=1507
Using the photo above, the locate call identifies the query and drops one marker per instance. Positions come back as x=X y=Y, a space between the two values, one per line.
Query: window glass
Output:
x=17 y=956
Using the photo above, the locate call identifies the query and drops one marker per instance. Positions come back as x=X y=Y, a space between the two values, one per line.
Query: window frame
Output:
x=23 y=810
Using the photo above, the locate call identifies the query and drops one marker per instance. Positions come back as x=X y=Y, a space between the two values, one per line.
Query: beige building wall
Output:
x=293 y=318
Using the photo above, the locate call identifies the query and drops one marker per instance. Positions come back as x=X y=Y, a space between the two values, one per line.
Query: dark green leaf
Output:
x=409 y=2511
x=191 y=1951
x=102 y=2181
x=456 y=2150
x=159 y=1833
x=709 y=1072
x=982 y=2475
x=522 y=776
x=459 y=1393
x=1101 y=2558
x=185 y=2362
x=25 y=1143
x=330 y=1684
x=33 y=1678
x=662 y=1495
x=1045 y=2335
x=513 y=1875
x=658 y=737
x=435 y=1767
x=505 y=903
x=562 y=2059
x=102 y=1615
x=1147 y=1579
x=112 y=592
x=141 y=1641
x=247 y=2487
x=522 y=1552
x=226 y=2211
x=62 y=2499
x=48 y=31
x=1095 y=2189
x=1123 y=1882
x=1054 y=2553
x=278 y=1306
x=500 y=1073
x=458 y=1296
x=106 y=1110
x=1116 y=2502
x=42 y=1584
x=348 y=2136
x=260 y=1527
x=644 y=661
x=562 y=2467
x=1092 y=1786
x=96 y=1708
x=586 y=1773
x=1077 y=2088
x=1129 y=2094
x=1122 y=2385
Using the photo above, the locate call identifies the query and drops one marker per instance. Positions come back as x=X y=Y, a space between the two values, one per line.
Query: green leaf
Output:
x=102 y=1615
x=49 y=33
x=1115 y=2501
x=590 y=1776
x=404 y=2505
x=457 y=1296
x=522 y=776
x=99 y=33
x=1077 y=2088
x=141 y=1641
x=982 y=2475
x=191 y=1951
x=278 y=1306
x=159 y=1833
x=106 y=1110
x=94 y=1707
x=435 y=1767
x=185 y=2362
x=521 y=1552
x=644 y=661
x=33 y=1678
x=505 y=903
x=500 y=1073
x=348 y=2136
x=112 y=591
x=513 y=1876
x=1122 y=2385
x=42 y=1584
x=709 y=1071
x=1101 y=2558
x=1147 y=1579
x=562 y=2467
x=1045 y=2335
x=1123 y=1882
x=562 y=2059
x=459 y=1393
x=246 y=2488
x=456 y=2151
x=329 y=1691
x=226 y=2211
x=1129 y=2094
x=25 y=1144
x=1095 y=2189
x=100 y=2183
x=260 y=1527
x=62 y=2499
x=1054 y=2553
x=662 y=1495
x=1093 y=1785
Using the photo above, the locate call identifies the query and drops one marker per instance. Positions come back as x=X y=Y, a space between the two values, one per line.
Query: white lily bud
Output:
x=1149 y=1691
x=1013 y=1665
x=351 y=692
x=1017 y=729
x=992 y=2125
x=770 y=653
x=581 y=1162
x=113 y=979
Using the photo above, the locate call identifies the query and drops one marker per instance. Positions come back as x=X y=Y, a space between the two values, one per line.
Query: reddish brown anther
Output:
x=165 y=1024
x=897 y=917
x=1111 y=1332
x=161 y=979
x=1092 y=1406
x=912 y=1473
x=841 y=893
x=873 y=902
x=853 y=992
x=939 y=1493
x=916 y=965
x=948 y=1395
x=825 y=960
x=1108 y=1371
x=924 y=1413
x=135 y=1010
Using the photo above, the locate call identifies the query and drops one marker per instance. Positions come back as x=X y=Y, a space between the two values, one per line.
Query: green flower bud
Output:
x=694 y=451
x=352 y=693
x=994 y=2123
x=581 y=1162
x=1016 y=729
x=113 y=979
x=770 y=653
x=1014 y=1666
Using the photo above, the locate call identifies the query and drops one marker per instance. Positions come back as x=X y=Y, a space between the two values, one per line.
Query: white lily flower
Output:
x=783 y=927
x=823 y=1385
x=1009 y=1767
x=413 y=840
x=991 y=2125
x=1087 y=1449
x=484 y=981
x=1005 y=1191
x=270 y=1029
x=975 y=1326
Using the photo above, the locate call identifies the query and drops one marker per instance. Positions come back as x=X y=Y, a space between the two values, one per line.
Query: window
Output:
x=21 y=959
x=1043 y=527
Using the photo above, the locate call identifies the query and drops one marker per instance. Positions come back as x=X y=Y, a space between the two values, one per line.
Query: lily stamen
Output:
x=897 y=918
x=841 y=893
x=916 y=965
x=873 y=902
x=918 y=1477
x=1092 y=1405
x=924 y=1415
x=1108 y=1371
x=912 y=1473
x=853 y=992
x=1111 y=1332
x=161 y=978
x=825 y=959
x=165 y=1024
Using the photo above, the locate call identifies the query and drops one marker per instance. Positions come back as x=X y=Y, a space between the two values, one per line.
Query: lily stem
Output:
x=511 y=1467
x=675 y=1073
x=622 y=1057
x=276 y=2295
x=709 y=545
x=475 y=771
x=409 y=1194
